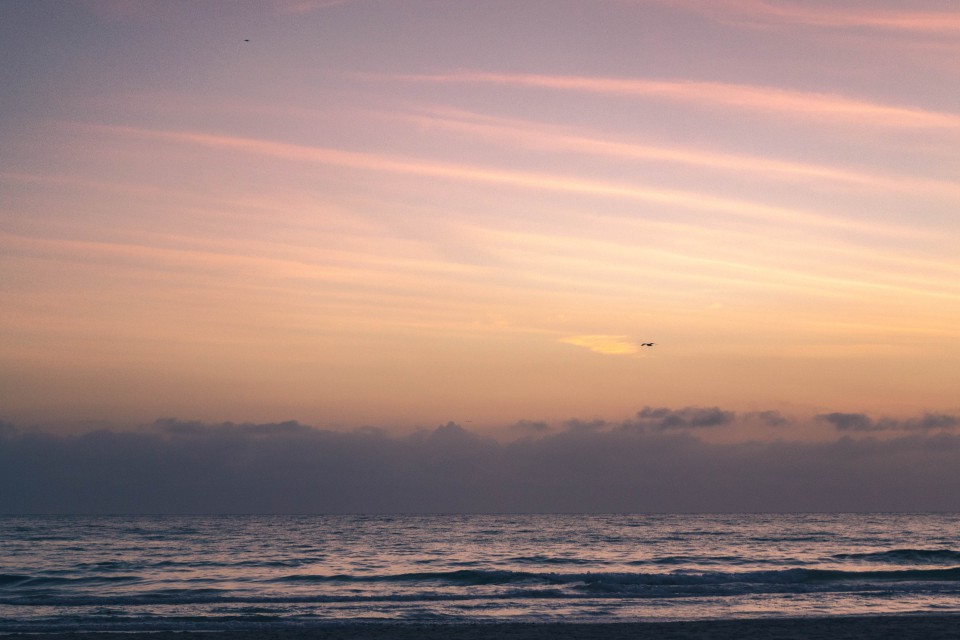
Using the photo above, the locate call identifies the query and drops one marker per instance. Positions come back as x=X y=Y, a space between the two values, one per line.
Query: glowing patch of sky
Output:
x=407 y=213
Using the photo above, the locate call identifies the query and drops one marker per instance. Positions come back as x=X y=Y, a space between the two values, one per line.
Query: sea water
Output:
x=222 y=572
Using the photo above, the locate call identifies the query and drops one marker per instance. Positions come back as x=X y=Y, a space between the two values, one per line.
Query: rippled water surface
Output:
x=141 y=572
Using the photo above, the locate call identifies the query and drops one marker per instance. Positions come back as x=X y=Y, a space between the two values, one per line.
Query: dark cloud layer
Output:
x=768 y=418
x=662 y=418
x=652 y=463
x=530 y=426
x=863 y=422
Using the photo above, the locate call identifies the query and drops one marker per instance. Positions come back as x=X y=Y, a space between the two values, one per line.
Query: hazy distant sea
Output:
x=229 y=572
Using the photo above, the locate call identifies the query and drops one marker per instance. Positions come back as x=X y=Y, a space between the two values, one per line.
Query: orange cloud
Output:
x=607 y=345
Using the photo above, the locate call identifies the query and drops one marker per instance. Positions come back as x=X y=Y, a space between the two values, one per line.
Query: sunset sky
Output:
x=401 y=213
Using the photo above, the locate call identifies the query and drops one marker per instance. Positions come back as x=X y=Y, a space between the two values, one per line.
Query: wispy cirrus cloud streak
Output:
x=758 y=99
x=297 y=7
x=524 y=133
x=814 y=15
x=521 y=179
x=147 y=10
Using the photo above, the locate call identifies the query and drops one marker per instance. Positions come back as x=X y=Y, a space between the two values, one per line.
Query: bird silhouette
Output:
x=647 y=344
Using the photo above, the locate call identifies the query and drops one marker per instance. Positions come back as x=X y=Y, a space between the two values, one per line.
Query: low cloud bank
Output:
x=652 y=463
x=863 y=422
x=663 y=419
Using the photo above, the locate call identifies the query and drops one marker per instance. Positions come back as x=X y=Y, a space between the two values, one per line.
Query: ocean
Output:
x=129 y=573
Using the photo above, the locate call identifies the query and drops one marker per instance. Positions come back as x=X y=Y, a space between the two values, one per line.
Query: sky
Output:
x=399 y=214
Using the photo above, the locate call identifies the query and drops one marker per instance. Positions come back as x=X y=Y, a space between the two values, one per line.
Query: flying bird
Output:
x=647 y=344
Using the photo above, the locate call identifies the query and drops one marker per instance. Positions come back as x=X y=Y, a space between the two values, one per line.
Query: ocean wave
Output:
x=269 y=571
x=189 y=598
x=549 y=560
x=799 y=580
x=17 y=581
x=784 y=576
x=905 y=556
x=462 y=577
x=685 y=560
x=498 y=585
x=17 y=587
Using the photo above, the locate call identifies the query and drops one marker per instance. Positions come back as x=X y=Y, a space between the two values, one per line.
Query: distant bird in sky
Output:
x=647 y=344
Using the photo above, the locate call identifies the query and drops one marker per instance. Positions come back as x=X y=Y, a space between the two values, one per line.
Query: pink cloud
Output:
x=306 y=6
x=809 y=14
x=798 y=104
x=520 y=179
x=529 y=134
